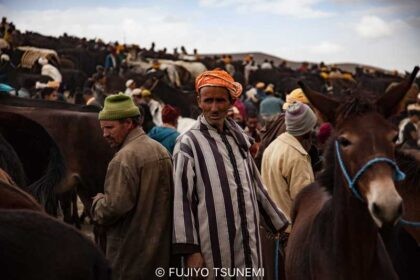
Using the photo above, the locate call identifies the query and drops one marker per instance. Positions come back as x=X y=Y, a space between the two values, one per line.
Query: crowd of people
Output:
x=202 y=193
x=211 y=191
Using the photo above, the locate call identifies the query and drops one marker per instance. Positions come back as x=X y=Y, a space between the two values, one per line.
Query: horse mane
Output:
x=326 y=176
x=410 y=165
x=356 y=103
x=44 y=188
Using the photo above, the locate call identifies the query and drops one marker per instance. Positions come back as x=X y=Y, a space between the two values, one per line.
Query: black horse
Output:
x=35 y=246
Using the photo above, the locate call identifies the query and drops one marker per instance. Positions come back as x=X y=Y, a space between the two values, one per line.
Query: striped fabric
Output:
x=32 y=54
x=219 y=198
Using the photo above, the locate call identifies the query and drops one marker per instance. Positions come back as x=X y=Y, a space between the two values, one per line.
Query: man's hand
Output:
x=97 y=196
x=194 y=260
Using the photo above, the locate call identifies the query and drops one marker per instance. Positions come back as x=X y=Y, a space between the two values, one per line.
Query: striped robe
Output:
x=219 y=197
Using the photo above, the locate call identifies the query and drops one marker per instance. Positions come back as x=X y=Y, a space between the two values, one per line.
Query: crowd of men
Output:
x=203 y=193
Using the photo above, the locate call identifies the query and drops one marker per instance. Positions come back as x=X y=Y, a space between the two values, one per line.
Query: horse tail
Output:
x=44 y=188
x=39 y=154
x=10 y=163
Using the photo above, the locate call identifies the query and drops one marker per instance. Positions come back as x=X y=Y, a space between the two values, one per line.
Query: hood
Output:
x=161 y=133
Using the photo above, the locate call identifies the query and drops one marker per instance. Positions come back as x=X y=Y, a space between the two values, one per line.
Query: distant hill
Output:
x=260 y=56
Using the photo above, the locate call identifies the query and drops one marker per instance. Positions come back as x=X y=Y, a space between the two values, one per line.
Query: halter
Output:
x=398 y=174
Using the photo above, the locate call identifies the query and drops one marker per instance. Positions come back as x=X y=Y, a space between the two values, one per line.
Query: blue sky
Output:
x=383 y=33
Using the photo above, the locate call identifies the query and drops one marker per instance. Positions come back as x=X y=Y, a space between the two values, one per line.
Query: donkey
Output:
x=336 y=219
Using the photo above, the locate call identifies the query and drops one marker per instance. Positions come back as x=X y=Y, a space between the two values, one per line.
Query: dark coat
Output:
x=137 y=208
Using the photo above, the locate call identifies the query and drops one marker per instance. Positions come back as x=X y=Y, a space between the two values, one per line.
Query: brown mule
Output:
x=334 y=233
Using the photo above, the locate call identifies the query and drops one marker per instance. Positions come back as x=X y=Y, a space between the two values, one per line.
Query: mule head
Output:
x=362 y=138
x=362 y=134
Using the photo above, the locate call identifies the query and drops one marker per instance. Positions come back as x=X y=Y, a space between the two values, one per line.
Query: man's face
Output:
x=307 y=141
x=146 y=98
x=52 y=97
x=137 y=99
x=102 y=81
x=115 y=132
x=252 y=123
x=215 y=103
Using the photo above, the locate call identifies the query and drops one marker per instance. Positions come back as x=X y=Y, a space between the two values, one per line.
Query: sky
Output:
x=381 y=33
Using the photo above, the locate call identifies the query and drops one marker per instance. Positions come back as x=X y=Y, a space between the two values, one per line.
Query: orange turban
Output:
x=218 y=78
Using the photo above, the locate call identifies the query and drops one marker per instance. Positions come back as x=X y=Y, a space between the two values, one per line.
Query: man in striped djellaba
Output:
x=218 y=195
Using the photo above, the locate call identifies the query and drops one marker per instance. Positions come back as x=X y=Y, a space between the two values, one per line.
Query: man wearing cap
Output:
x=154 y=106
x=295 y=95
x=218 y=194
x=49 y=70
x=286 y=164
x=136 y=205
x=89 y=98
x=276 y=126
x=261 y=94
x=130 y=85
x=271 y=106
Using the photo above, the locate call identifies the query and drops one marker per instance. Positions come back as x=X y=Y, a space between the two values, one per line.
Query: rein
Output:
x=398 y=176
x=410 y=223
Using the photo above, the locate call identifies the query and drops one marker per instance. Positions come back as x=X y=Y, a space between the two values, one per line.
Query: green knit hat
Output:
x=118 y=106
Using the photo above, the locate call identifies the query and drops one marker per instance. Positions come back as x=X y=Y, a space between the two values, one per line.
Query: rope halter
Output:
x=398 y=174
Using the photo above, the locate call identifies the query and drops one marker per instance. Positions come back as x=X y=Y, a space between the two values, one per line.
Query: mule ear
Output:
x=392 y=97
x=325 y=105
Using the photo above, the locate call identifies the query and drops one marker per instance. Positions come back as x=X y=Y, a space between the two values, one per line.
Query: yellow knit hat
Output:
x=294 y=96
x=145 y=92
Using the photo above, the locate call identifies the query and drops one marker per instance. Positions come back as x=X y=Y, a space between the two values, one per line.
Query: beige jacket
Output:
x=285 y=170
x=137 y=208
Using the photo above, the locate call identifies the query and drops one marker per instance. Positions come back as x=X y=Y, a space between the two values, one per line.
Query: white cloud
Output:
x=218 y=3
x=293 y=8
x=295 y=39
x=326 y=48
x=373 y=27
x=132 y=25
